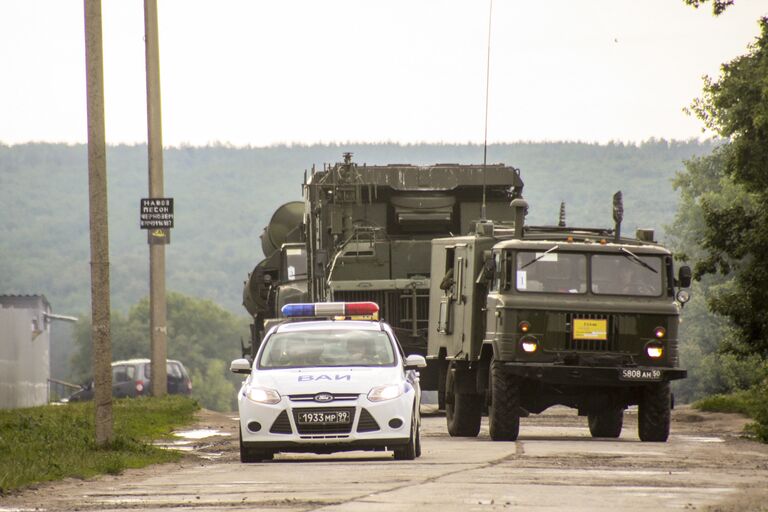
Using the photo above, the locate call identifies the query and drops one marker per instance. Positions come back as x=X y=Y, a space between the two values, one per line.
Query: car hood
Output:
x=296 y=381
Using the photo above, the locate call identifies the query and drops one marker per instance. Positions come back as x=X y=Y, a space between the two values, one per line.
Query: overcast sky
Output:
x=249 y=72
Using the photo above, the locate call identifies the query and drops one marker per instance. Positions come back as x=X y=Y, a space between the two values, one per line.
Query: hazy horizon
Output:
x=253 y=74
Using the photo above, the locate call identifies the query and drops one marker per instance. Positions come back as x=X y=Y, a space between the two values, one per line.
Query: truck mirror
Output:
x=684 y=276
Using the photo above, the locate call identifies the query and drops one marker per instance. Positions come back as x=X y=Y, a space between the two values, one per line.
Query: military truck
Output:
x=530 y=317
x=281 y=277
x=366 y=231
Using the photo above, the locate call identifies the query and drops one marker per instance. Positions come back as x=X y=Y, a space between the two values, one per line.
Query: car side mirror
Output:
x=240 y=366
x=414 y=361
x=684 y=276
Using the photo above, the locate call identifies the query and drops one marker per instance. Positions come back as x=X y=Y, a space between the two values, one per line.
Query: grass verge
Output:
x=752 y=402
x=57 y=441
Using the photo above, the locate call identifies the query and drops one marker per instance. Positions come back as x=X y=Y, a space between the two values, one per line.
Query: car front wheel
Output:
x=413 y=449
x=250 y=455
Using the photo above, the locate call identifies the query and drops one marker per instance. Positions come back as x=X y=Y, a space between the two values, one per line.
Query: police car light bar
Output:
x=322 y=309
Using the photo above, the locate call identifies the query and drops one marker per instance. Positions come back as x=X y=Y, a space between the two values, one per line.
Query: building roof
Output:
x=24 y=301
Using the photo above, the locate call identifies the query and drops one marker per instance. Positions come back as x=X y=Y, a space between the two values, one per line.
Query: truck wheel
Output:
x=462 y=410
x=654 y=412
x=606 y=423
x=441 y=377
x=504 y=404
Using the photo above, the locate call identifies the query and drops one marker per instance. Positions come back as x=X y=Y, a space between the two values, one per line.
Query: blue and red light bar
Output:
x=326 y=309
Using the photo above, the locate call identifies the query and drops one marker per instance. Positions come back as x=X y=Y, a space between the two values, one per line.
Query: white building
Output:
x=25 y=342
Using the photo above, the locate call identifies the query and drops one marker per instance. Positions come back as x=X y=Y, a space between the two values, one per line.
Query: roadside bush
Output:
x=752 y=403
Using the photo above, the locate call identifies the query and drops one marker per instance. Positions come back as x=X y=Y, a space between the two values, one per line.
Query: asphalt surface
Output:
x=555 y=465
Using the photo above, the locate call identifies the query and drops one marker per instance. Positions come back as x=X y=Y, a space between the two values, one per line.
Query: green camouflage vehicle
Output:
x=364 y=233
x=530 y=317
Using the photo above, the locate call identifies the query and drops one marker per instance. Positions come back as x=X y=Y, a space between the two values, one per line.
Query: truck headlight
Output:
x=529 y=344
x=388 y=392
x=263 y=395
x=654 y=351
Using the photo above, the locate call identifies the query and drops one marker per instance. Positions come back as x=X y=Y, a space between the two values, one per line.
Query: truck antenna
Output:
x=487 y=84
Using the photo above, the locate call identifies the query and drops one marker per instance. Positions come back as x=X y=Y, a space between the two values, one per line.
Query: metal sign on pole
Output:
x=97 y=200
x=157 y=301
x=156 y=216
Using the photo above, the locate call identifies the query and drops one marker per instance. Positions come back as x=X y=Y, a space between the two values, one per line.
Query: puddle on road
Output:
x=200 y=433
x=187 y=443
x=700 y=439
x=211 y=455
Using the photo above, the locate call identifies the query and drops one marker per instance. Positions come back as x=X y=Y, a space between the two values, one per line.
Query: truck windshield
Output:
x=304 y=349
x=551 y=272
x=626 y=274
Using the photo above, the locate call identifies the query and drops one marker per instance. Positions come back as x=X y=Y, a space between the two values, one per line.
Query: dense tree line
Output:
x=224 y=197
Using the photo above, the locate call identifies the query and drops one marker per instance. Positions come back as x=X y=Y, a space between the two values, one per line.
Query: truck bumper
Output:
x=594 y=376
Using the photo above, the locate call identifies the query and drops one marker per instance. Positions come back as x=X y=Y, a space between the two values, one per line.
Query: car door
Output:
x=122 y=381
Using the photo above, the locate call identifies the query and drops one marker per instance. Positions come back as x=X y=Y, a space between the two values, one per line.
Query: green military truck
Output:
x=530 y=317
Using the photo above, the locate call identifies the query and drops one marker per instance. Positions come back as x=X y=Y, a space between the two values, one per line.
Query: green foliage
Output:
x=216 y=393
x=734 y=234
x=204 y=337
x=52 y=442
x=751 y=402
x=718 y=6
x=706 y=337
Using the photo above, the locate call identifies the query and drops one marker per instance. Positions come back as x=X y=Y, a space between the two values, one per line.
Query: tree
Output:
x=734 y=235
x=202 y=335
x=708 y=341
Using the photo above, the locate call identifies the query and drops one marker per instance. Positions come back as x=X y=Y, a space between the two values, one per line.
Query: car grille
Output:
x=310 y=397
x=366 y=423
x=282 y=425
x=324 y=429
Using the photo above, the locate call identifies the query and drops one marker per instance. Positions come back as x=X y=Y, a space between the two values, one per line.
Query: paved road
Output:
x=555 y=465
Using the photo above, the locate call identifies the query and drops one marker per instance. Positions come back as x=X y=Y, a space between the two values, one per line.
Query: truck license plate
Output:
x=643 y=374
x=324 y=418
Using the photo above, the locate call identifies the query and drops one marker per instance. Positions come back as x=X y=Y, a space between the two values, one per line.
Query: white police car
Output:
x=328 y=385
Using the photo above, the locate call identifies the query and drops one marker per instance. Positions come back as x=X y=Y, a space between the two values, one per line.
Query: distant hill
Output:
x=224 y=196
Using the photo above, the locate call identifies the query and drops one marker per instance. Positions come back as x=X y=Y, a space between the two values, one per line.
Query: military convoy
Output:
x=530 y=317
x=364 y=233
x=513 y=318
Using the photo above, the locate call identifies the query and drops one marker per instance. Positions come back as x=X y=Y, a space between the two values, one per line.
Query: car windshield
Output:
x=626 y=274
x=343 y=347
x=551 y=272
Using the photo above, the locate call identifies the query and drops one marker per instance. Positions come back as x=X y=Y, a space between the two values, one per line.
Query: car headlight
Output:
x=388 y=392
x=263 y=395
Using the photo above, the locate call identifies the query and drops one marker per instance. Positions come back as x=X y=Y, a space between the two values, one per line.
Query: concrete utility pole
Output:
x=97 y=194
x=157 y=304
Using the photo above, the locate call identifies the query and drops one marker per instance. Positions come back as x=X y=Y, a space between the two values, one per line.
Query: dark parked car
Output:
x=131 y=378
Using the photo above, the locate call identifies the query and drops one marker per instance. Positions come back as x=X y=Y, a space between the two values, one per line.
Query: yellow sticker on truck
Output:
x=588 y=329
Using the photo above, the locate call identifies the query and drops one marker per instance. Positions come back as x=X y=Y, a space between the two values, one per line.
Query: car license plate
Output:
x=641 y=374
x=324 y=418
